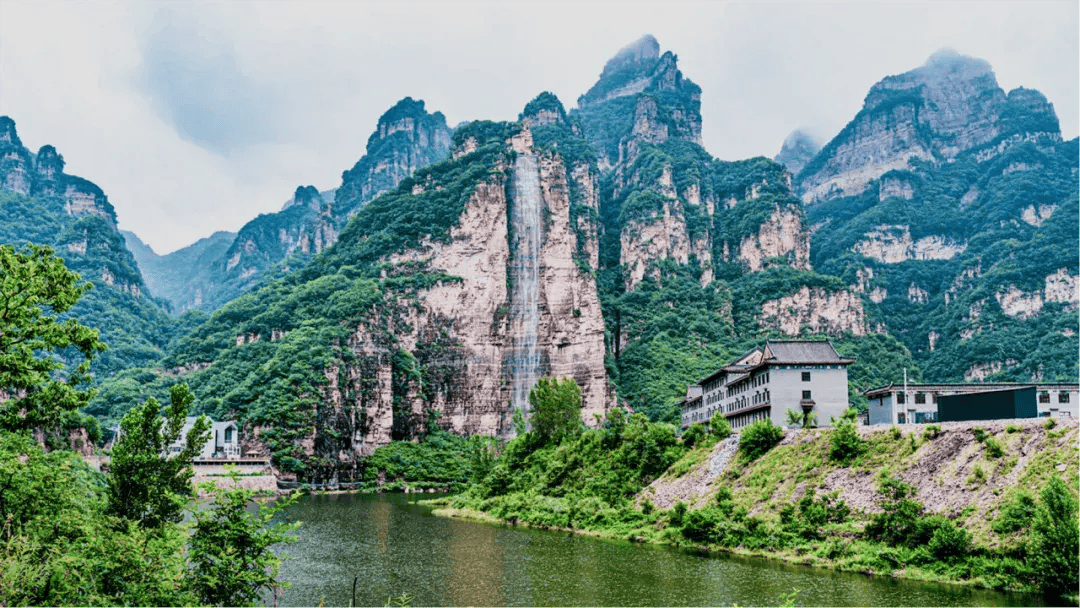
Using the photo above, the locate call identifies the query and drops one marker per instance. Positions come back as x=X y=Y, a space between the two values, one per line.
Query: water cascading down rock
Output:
x=525 y=277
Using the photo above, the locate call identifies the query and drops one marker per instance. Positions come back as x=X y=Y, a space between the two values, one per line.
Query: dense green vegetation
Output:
x=979 y=205
x=74 y=535
x=594 y=481
x=134 y=325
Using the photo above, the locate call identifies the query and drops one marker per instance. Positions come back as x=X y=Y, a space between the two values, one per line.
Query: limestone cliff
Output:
x=40 y=203
x=406 y=138
x=950 y=105
x=815 y=311
x=641 y=96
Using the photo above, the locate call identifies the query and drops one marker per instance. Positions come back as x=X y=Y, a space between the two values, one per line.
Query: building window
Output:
x=1044 y=397
x=806 y=376
x=1063 y=397
x=228 y=435
x=806 y=394
x=900 y=398
x=920 y=397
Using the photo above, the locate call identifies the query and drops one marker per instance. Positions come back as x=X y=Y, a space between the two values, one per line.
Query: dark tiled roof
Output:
x=804 y=351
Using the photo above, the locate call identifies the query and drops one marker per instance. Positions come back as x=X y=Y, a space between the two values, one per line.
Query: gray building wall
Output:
x=1048 y=402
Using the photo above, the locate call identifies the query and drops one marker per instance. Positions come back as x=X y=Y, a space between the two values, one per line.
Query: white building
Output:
x=802 y=375
x=223 y=443
x=893 y=404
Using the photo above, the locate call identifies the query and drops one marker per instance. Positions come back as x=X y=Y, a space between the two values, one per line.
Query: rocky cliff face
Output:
x=42 y=204
x=955 y=251
x=406 y=138
x=950 y=105
x=641 y=96
x=798 y=149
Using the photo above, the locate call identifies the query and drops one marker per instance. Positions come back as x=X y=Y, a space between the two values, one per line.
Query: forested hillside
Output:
x=969 y=254
x=41 y=204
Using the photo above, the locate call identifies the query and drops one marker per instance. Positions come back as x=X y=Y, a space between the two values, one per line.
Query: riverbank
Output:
x=971 y=488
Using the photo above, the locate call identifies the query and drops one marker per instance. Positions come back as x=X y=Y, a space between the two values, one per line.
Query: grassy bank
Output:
x=972 y=503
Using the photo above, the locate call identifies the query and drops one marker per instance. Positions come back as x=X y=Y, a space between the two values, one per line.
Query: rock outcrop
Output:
x=933 y=113
x=815 y=311
x=639 y=82
x=798 y=149
x=892 y=244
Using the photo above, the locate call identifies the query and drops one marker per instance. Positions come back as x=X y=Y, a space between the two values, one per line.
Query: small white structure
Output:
x=918 y=403
x=223 y=443
x=765 y=382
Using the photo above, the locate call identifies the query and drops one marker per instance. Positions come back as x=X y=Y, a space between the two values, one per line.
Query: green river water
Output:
x=395 y=546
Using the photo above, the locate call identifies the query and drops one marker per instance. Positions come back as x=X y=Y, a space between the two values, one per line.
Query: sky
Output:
x=195 y=117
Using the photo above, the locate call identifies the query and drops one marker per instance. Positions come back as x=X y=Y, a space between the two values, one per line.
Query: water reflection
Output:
x=397 y=547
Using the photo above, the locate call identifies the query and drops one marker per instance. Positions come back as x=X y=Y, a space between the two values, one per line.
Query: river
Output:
x=395 y=546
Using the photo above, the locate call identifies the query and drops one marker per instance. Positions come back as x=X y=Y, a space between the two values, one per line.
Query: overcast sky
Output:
x=196 y=117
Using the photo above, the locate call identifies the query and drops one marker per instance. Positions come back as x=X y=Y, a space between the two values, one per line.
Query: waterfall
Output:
x=525 y=275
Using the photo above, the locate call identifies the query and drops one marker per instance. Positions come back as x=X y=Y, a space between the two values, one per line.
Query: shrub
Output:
x=1012 y=428
x=719 y=426
x=896 y=433
x=980 y=434
x=931 y=431
x=1049 y=424
x=678 y=512
x=759 y=438
x=898 y=523
x=700 y=525
x=1055 y=534
x=946 y=539
x=845 y=444
x=693 y=435
x=994 y=449
x=1016 y=514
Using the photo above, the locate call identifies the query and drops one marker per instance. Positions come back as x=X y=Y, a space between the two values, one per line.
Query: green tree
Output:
x=1055 y=534
x=231 y=560
x=804 y=419
x=556 y=409
x=845 y=443
x=719 y=426
x=36 y=289
x=758 y=438
x=147 y=484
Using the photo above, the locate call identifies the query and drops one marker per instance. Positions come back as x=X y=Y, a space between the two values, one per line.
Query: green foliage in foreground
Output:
x=230 y=546
x=75 y=536
x=35 y=290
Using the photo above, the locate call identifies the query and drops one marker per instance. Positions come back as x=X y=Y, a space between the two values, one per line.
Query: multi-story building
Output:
x=893 y=404
x=765 y=382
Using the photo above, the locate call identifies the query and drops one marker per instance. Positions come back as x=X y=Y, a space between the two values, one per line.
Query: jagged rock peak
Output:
x=644 y=51
x=49 y=161
x=308 y=196
x=544 y=109
x=406 y=116
x=630 y=71
x=8 y=134
x=798 y=149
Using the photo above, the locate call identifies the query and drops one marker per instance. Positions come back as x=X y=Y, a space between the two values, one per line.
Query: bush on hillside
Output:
x=719 y=426
x=759 y=438
x=693 y=435
x=845 y=444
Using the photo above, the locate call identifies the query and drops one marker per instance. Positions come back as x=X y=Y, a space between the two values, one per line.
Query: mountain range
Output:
x=935 y=234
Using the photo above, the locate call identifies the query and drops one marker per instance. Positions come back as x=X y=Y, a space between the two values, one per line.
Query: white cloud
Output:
x=196 y=117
